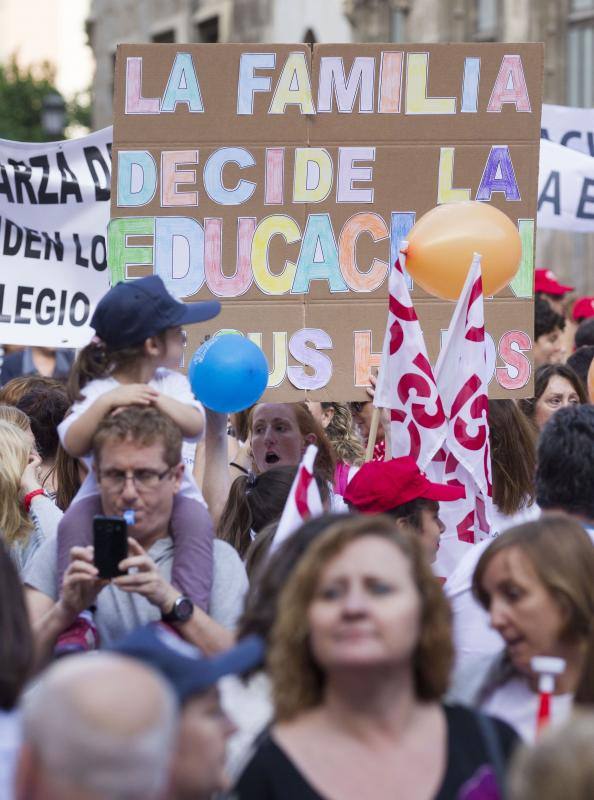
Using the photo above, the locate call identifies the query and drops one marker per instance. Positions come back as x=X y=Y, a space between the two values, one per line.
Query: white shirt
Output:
x=517 y=704
x=166 y=381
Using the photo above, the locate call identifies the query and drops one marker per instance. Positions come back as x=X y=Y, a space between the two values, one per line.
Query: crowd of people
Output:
x=214 y=661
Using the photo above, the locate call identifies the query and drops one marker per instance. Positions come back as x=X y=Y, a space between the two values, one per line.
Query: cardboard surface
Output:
x=284 y=190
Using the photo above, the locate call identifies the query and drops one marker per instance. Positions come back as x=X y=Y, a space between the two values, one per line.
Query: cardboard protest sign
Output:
x=54 y=210
x=281 y=180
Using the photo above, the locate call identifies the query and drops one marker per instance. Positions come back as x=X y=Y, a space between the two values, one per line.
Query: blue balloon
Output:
x=228 y=373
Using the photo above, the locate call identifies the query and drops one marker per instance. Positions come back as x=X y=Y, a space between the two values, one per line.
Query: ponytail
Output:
x=91 y=362
x=254 y=501
x=236 y=519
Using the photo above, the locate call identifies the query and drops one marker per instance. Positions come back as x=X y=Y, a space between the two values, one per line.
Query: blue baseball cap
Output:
x=183 y=665
x=133 y=311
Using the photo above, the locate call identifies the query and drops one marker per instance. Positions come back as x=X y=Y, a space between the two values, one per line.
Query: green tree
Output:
x=22 y=90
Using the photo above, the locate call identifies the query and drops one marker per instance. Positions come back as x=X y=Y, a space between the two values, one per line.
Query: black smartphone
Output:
x=110 y=540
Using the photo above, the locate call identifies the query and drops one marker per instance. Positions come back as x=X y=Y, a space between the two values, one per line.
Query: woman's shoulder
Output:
x=479 y=748
x=463 y=719
x=474 y=736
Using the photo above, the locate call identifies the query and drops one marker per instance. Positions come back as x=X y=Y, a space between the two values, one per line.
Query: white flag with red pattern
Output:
x=405 y=381
x=303 y=502
x=465 y=459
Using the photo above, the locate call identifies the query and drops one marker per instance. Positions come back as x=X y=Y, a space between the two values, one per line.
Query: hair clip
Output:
x=251 y=480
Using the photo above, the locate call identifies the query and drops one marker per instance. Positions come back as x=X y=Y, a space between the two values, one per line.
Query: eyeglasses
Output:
x=144 y=480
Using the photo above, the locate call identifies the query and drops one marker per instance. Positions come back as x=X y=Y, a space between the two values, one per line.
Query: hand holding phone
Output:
x=110 y=541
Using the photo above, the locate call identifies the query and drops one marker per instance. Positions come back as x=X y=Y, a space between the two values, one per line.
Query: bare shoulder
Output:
x=304 y=730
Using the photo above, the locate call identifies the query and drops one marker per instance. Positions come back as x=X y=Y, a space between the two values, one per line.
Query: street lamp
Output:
x=53 y=115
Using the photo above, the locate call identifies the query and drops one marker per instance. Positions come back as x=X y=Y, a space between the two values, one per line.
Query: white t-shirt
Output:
x=517 y=704
x=166 y=381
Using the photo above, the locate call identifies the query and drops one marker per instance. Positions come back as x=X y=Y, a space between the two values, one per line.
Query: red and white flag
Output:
x=405 y=381
x=465 y=459
x=303 y=502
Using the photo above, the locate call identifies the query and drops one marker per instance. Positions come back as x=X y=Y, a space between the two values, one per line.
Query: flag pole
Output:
x=372 y=433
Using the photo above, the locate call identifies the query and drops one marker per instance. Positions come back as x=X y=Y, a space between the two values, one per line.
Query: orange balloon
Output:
x=441 y=245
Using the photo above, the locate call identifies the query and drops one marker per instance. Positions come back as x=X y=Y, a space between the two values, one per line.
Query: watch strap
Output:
x=173 y=615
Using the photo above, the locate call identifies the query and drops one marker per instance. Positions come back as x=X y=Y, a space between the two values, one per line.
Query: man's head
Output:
x=583 y=309
x=580 y=362
x=549 y=289
x=399 y=488
x=138 y=466
x=584 y=335
x=548 y=330
x=97 y=727
x=45 y=406
x=565 y=463
x=199 y=762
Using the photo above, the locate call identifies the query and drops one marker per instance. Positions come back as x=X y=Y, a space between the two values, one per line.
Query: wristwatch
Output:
x=182 y=610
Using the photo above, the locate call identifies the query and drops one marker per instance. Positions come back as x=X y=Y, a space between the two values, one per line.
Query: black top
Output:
x=470 y=771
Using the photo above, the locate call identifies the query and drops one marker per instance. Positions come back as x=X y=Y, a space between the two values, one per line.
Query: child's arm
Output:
x=189 y=419
x=78 y=437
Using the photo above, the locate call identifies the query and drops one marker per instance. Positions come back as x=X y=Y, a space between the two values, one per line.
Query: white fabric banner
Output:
x=571 y=127
x=303 y=503
x=465 y=459
x=565 y=189
x=405 y=383
x=54 y=210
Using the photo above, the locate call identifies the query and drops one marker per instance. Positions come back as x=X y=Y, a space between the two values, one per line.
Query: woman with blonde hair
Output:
x=16 y=417
x=337 y=421
x=360 y=658
x=27 y=515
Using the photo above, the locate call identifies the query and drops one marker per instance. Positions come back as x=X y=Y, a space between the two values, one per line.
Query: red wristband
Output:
x=27 y=499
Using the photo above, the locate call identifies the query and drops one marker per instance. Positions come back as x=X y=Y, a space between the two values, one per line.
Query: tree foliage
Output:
x=22 y=90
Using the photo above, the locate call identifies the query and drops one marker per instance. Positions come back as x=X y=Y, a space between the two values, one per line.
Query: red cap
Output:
x=583 y=309
x=546 y=281
x=382 y=485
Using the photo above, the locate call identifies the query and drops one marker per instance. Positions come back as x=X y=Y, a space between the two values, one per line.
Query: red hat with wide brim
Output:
x=546 y=281
x=383 y=485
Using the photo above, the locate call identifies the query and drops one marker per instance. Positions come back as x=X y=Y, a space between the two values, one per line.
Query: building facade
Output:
x=113 y=21
x=567 y=29
x=565 y=26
